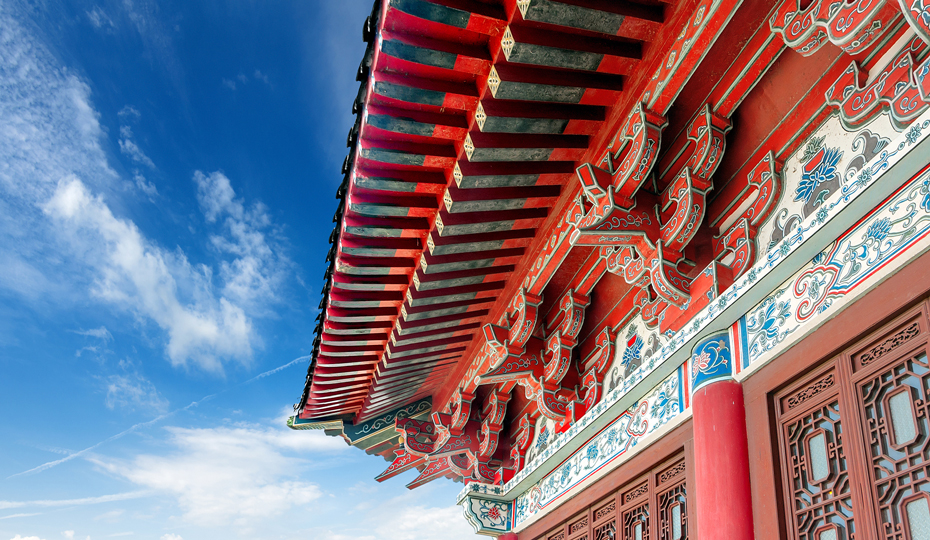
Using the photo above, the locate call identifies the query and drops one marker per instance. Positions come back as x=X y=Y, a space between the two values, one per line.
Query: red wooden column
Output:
x=508 y=536
x=721 y=454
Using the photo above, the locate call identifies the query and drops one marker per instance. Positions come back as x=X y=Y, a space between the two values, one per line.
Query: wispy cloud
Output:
x=142 y=278
x=129 y=147
x=256 y=268
x=48 y=465
x=53 y=503
x=240 y=475
x=99 y=19
x=99 y=333
x=133 y=391
x=11 y=516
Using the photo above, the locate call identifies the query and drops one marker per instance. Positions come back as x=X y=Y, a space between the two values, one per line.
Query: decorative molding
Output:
x=895 y=89
x=711 y=361
x=488 y=517
x=901 y=337
x=578 y=437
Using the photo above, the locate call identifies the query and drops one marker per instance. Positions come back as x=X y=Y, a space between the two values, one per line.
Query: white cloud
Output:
x=112 y=515
x=144 y=185
x=133 y=391
x=99 y=19
x=257 y=269
x=68 y=534
x=261 y=77
x=60 y=238
x=18 y=537
x=145 y=279
x=240 y=475
x=171 y=537
x=128 y=147
x=229 y=84
x=406 y=517
x=128 y=111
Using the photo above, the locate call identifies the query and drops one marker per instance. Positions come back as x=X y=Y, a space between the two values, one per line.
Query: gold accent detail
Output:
x=416 y=277
x=507 y=43
x=494 y=81
x=457 y=174
x=447 y=200
x=439 y=224
x=523 y=6
x=431 y=245
x=480 y=116
x=403 y=311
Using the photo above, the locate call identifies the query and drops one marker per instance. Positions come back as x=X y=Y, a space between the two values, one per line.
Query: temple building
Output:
x=639 y=269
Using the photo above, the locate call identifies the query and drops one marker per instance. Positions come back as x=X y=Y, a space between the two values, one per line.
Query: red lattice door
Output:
x=854 y=441
x=813 y=460
x=893 y=398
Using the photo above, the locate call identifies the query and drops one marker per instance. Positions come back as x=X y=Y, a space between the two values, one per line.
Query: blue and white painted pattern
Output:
x=656 y=409
x=637 y=350
x=899 y=229
x=829 y=160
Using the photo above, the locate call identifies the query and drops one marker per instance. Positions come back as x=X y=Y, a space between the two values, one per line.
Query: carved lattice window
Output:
x=651 y=507
x=862 y=420
x=814 y=464
x=895 y=405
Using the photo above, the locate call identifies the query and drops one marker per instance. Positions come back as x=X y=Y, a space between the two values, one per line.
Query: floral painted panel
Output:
x=657 y=408
x=830 y=160
x=637 y=348
x=487 y=517
x=860 y=258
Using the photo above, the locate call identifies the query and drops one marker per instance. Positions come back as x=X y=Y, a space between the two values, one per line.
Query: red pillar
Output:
x=721 y=462
x=508 y=536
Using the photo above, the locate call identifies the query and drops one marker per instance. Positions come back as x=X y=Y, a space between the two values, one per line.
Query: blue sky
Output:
x=167 y=172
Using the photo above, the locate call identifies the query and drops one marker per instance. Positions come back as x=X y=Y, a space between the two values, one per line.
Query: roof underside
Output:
x=471 y=117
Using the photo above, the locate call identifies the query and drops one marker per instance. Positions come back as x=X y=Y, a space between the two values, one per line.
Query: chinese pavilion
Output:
x=639 y=269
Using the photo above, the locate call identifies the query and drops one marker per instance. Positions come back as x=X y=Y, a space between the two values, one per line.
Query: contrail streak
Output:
x=69 y=457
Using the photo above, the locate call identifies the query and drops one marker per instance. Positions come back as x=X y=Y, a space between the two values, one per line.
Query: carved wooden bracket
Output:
x=595 y=368
x=402 y=462
x=895 y=89
x=852 y=26
x=649 y=235
x=523 y=438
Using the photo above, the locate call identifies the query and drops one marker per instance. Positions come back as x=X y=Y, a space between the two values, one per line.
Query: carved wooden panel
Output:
x=671 y=503
x=902 y=336
x=814 y=468
x=579 y=529
x=895 y=405
x=854 y=440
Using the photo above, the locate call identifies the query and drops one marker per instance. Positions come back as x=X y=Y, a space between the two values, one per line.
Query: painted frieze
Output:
x=828 y=165
x=643 y=418
x=897 y=230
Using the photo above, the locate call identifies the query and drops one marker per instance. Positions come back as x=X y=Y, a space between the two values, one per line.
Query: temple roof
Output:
x=471 y=117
